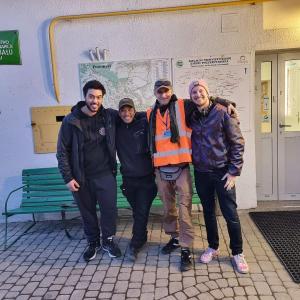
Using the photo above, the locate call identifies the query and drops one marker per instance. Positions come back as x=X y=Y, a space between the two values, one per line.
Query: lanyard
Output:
x=167 y=119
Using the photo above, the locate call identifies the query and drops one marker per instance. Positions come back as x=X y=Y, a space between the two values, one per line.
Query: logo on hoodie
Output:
x=102 y=131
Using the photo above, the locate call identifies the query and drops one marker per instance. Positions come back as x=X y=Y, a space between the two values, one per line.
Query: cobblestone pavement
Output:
x=45 y=264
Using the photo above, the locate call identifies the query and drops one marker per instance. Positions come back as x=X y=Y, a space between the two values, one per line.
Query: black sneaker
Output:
x=91 y=252
x=186 y=260
x=132 y=253
x=111 y=248
x=172 y=245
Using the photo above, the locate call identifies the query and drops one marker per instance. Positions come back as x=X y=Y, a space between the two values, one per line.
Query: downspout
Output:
x=127 y=13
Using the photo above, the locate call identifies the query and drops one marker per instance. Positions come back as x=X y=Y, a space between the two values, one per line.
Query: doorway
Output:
x=278 y=126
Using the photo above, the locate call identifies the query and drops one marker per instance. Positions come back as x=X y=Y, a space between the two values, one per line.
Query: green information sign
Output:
x=9 y=48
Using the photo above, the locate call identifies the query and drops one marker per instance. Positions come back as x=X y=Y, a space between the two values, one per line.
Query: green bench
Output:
x=44 y=191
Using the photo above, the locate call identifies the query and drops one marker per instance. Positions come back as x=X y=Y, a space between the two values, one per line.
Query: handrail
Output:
x=126 y=13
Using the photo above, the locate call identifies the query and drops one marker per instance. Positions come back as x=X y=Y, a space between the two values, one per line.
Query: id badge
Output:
x=167 y=133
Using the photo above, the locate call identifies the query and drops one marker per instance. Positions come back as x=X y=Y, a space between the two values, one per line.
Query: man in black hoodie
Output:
x=137 y=170
x=86 y=154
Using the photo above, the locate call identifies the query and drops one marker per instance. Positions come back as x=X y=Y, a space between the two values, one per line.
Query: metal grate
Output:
x=282 y=231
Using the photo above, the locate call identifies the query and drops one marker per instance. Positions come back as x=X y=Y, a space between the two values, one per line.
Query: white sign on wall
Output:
x=228 y=76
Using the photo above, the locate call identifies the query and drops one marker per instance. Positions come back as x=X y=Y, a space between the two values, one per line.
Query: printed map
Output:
x=134 y=79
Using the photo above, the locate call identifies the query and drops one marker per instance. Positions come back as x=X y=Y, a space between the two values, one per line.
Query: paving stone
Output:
x=202 y=287
x=205 y=296
x=11 y=295
x=160 y=292
x=124 y=276
x=161 y=282
x=133 y=293
x=136 y=276
x=278 y=289
x=30 y=287
x=118 y=297
x=148 y=288
x=217 y=294
x=191 y=292
x=77 y=295
x=68 y=290
x=212 y=285
x=180 y=296
x=121 y=286
x=175 y=287
x=147 y=296
x=149 y=278
x=104 y=295
x=222 y=283
x=107 y=287
x=51 y=295
x=245 y=281
x=228 y=292
x=188 y=281
x=162 y=273
x=232 y=282
x=113 y=272
x=200 y=279
x=262 y=288
x=239 y=291
x=282 y=296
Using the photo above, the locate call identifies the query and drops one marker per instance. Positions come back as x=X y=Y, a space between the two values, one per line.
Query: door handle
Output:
x=284 y=125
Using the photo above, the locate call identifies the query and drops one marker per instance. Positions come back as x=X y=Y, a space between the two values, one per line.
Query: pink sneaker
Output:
x=240 y=263
x=208 y=255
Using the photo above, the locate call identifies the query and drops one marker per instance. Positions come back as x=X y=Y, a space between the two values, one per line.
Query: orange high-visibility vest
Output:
x=168 y=153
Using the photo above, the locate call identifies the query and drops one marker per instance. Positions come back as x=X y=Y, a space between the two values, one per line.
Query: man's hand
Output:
x=73 y=185
x=232 y=111
x=230 y=182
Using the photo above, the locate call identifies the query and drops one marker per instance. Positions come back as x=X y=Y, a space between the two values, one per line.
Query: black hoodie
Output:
x=71 y=141
x=132 y=147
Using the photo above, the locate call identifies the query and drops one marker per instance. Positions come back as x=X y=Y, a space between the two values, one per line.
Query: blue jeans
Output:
x=207 y=185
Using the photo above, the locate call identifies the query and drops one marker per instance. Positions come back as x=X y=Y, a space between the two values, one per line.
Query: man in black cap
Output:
x=137 y=171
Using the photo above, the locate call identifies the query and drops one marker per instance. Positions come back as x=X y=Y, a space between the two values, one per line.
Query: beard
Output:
x=90 y=107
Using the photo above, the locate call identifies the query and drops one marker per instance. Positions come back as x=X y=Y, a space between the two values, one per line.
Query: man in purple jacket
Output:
x=217 y=151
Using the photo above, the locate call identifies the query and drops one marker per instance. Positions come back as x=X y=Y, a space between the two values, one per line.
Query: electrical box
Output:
x=45 y=122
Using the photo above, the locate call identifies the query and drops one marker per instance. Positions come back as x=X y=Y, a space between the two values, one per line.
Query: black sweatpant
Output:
x=102 y=190
x=140 y=193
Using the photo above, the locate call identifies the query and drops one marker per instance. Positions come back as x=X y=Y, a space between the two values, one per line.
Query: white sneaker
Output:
x=241 y=263
x=208 y=255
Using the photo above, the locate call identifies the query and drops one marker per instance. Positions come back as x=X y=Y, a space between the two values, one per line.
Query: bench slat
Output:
x=44 y=188
x=46 y=193
x=53 y=170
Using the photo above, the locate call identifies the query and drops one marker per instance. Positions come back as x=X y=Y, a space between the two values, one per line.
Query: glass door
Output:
x=289 y=126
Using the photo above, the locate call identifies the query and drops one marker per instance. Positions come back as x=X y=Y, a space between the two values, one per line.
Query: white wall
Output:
x=177 y=34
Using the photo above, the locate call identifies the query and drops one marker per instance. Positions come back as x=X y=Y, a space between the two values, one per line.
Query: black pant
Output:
x=140 y=193
x=102 y=190
x=207 y=184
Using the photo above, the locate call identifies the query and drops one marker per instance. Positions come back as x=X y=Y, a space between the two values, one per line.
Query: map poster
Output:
x=134 y=79
x=228 y=76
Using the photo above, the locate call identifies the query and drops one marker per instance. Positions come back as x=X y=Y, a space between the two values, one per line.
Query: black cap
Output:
x=162 y=83
x=126 y=102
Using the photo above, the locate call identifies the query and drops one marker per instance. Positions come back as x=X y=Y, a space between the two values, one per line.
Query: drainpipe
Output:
x=128 y=13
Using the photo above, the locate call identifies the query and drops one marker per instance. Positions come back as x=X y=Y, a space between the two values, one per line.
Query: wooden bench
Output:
x=44 y=191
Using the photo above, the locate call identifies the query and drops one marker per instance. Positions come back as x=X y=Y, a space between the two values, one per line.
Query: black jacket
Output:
x=71 y=140
x=132 y=147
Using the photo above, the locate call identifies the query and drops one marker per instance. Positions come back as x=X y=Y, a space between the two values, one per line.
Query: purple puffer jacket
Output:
x=217 y=141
